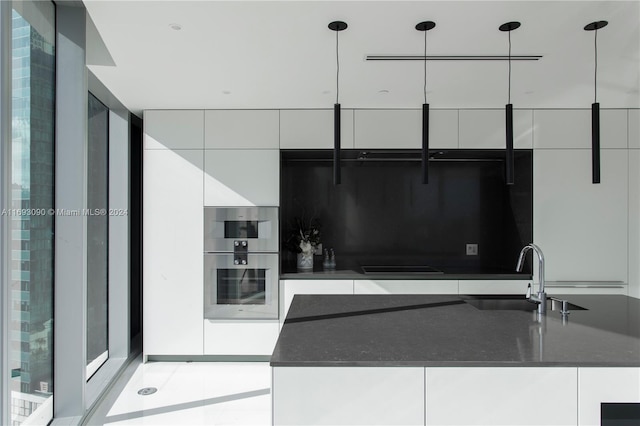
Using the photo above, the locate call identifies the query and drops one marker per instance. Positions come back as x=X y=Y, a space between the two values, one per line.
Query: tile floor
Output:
x=190 y=393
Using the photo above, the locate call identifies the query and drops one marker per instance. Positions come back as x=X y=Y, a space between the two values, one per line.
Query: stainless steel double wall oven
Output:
x=241 y=262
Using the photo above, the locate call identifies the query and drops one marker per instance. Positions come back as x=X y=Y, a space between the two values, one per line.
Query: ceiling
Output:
x=280 y=54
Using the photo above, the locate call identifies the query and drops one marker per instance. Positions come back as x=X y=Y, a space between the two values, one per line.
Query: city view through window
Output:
x=32 y=195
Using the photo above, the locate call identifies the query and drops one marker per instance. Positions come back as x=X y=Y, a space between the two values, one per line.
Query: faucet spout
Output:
x=541 y=297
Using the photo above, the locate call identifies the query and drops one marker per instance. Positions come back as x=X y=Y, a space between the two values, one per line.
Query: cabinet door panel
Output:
x=242 y=177
x=572 y=128
x=348 y=396
x=173 y=245
x=403 y=129
x=174 y=129
x=634 y=223
x=485 y=129
x=581 y=227
x=237 y=129
x=597 y=385
x=405 y=287
x=493 y=286
x=501 y=396
x=313 y=128
x=634 y=128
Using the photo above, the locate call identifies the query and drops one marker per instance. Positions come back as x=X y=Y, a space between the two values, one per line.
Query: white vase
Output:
x=304 y=262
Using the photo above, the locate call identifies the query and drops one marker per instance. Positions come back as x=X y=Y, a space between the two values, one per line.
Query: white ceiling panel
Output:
x=268 y=54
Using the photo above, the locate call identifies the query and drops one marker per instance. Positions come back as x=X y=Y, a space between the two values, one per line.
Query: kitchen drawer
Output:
x=598 y=385
x=240 y=337
x=501 y=396
x=405 y=287
x=493 y=286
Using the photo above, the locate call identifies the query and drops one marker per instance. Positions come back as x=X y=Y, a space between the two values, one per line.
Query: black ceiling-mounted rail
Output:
x=452 y=57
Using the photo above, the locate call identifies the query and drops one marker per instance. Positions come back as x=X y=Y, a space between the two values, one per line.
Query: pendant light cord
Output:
x=337 y=70
x=595 y=72
x=425 y=67
x=509 y=93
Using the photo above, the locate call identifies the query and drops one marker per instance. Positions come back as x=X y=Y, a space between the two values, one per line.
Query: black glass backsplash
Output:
x=383 y=214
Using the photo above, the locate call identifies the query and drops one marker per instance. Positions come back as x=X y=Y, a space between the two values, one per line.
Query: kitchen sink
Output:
x=514 y=303
x=400 y=269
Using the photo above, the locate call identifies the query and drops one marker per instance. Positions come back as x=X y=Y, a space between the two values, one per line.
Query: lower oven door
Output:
x=241 y=291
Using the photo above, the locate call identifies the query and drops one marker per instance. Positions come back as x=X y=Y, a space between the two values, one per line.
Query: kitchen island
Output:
x=438 y=359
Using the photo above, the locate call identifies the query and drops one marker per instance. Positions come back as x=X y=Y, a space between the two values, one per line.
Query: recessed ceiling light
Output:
x=383 y=91
x=176 y=27
x=326 y=92
x=226 y=92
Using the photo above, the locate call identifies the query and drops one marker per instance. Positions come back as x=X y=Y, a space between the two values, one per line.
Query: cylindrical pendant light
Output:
x=595 y=107
x=337 y=26
x=425 y=26
x=508 y=27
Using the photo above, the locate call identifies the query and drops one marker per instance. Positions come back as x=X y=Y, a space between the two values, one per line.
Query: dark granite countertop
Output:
x=442 y=330
x=350 y=267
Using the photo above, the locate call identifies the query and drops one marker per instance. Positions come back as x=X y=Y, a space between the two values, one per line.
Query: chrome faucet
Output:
x=541 y=297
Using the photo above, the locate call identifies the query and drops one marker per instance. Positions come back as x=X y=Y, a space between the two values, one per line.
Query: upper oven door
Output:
x=256 y=225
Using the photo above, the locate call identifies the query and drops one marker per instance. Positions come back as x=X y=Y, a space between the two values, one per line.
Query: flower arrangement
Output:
x=304 y=237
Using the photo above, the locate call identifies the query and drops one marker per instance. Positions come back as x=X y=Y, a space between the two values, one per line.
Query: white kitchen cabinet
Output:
x=501 y=396
x=571 y=128
x=405 y=287
x=236 y=177
x=402 y=128
x=313 y=129
x=348 y=396
x=634 y=223
x=634 y=128
x=172 y=259
x=494 y=286
x=597 y=385
x=173 y=129
x=241 y=129
x=581 y=227
x=289 y=288
x=240 y=337
x=485 y=129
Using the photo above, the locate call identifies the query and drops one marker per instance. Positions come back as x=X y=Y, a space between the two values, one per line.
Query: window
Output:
x=32 y=186
x=97 y=236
